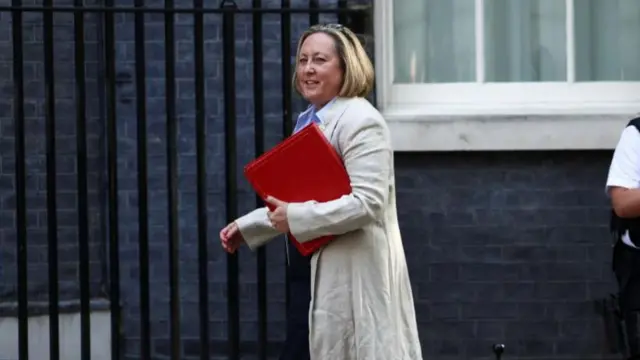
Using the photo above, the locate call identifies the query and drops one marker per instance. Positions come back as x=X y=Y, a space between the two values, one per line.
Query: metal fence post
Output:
x=231 y=159
x=20 y=179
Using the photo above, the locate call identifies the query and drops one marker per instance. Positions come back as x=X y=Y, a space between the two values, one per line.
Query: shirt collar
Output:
x=311 y=110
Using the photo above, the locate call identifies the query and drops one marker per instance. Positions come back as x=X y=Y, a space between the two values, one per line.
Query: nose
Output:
x=309 y=68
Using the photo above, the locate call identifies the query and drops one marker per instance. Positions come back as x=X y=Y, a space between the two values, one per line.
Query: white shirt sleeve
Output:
x=625 y=165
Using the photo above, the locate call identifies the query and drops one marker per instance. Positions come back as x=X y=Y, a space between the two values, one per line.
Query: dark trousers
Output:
x=626 y=266
x=296 y=345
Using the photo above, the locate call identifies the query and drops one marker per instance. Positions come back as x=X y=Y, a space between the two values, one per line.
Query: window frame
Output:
x=419 y=110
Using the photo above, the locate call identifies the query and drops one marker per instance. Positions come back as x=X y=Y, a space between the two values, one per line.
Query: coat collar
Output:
x=331 y=114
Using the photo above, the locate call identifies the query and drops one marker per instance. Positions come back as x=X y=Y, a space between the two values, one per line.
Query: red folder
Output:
x=301 y=168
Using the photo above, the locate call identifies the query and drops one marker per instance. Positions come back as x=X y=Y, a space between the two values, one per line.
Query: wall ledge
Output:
x=501 y=132
x=39 y=308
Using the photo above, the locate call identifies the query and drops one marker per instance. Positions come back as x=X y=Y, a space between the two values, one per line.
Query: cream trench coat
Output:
x=361 y=302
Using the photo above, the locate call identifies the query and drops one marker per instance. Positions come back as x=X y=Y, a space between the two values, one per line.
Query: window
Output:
x=505 y=57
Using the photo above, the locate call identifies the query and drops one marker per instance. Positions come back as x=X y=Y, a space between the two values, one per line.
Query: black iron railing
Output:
x=108 y=13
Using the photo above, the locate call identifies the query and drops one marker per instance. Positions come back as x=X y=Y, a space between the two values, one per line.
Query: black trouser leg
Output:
x=297 y=342
x=626 y=265
x=632 y=327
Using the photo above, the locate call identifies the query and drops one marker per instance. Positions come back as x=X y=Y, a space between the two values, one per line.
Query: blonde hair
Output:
x=358 y=73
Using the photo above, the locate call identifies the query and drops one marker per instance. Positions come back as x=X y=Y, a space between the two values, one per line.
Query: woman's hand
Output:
x=231 y=238
x=278 y=216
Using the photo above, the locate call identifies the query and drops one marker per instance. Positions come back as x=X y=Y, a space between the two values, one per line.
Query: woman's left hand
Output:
x=278 y=216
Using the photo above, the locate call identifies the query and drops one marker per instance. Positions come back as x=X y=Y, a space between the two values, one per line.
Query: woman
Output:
x=361 y=304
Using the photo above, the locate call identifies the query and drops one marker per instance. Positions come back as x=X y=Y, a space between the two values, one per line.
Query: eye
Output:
x=303 y=60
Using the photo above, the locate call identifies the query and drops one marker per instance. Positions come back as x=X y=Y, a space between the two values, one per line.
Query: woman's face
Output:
x=318 y=70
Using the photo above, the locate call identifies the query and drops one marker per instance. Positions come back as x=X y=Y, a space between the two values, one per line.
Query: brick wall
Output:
x=507 y=247
x=502 y=247
x=66 y=174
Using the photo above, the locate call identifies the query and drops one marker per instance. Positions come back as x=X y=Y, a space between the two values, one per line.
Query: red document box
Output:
x=301 y=168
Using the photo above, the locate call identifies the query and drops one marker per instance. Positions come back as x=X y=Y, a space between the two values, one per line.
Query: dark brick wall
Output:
x=502 y=247
x=507 y=247
x=34 y=123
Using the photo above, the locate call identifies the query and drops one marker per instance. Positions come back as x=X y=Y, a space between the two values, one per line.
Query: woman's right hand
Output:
x=231 y=238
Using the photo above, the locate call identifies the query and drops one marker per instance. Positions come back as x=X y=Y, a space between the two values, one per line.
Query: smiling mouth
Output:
x=309 y=82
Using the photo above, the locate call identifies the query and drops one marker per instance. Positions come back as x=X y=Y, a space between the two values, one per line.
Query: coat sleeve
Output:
x=256 y=228
x=367 y=158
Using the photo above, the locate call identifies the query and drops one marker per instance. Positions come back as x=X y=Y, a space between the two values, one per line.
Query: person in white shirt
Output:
x=623 y=189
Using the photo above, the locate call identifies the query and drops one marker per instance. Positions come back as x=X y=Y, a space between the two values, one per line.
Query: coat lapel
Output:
x=332 y=116
x=330 y=120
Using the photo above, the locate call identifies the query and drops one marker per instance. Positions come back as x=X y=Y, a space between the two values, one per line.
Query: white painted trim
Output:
x=516 y=95
x=69 y=337
x=507 y=132
x=479 y=33
x=571 y=44
x=498 y=116
x=383 y=40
